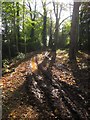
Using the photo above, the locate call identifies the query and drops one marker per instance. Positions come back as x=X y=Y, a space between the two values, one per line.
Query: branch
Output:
x=60 y=12
x=48 y=3
x=42 y=4
x=35 y=10
x=40 y=14
x=30 y=9
x=54 y=8
x=64 y=20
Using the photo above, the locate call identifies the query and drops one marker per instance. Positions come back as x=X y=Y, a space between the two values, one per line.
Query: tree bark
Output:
x=7 y=36
x=18 y=34
x=33 y=17
x=50 y=36
x=44 y=32
x=57 y=13
x=74 y=32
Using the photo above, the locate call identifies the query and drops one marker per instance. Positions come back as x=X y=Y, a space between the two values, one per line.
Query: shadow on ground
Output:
x=52 y=99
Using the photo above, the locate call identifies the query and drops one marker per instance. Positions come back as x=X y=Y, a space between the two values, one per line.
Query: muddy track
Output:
x=55 y=99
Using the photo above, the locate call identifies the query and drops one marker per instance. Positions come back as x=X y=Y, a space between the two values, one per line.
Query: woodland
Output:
x=45 y=60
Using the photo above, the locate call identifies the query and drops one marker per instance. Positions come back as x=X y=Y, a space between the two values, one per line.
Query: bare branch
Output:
x=48 y=3
x=60 y=11
x=35 y=10
x=30 y=9
x=54 y=8
x=64 y=20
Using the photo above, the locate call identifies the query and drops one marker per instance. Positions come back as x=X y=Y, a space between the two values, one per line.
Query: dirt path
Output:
x=53 y=91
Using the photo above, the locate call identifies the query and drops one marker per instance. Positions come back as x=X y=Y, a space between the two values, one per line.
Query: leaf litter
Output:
x=59 y=92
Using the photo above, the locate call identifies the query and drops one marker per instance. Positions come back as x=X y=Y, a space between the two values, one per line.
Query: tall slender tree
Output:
x=33 y=17
x=50 y=32
x=57 y=11
x=17 y=26
x=44 y=32
x=74 y=32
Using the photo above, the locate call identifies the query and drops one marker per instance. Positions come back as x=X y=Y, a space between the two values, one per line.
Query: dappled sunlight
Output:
x=33 y=64
x=50 y=90
x=64 y=75
x=45 y=60
x=28 y=111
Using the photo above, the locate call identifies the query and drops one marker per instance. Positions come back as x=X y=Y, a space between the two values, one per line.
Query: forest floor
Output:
x=52 y=89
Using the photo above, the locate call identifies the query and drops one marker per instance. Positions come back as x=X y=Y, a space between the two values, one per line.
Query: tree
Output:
x=64 y=37
x=44 y=32
x=17 y=26
x=50 y=32
x=74 y=32
x=33 y=17
x=10 y=23
x=57 y=11
x=6 y=24
x=24 y=35
x=84 y=25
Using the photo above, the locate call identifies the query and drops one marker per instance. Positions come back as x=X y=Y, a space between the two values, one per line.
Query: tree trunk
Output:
x=50 y=36
x=7 y=36
x=18 y=34
x=32 y=31
x=74 y=32
x=57 y=11
x=56 y=37
x=44 y=32
x=14 y=28
x=89 y=28
x=33 y=17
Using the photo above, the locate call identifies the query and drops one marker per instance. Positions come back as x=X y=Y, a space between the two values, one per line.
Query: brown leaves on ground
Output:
x=57 y=91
